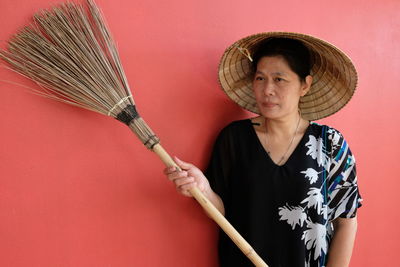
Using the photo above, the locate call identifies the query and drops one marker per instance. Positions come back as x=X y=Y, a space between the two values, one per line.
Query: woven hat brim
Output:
x=334 y=75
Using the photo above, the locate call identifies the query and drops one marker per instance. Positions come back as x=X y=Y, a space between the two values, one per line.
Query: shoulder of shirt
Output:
x=324 y=131
x=235 y=125
x=234 y=128
x=241 y=124
x=320 y=127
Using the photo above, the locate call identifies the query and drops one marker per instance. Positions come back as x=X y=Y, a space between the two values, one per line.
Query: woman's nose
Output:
x=269 y=88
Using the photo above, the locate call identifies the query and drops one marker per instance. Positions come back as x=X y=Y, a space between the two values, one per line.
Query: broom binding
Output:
x=127 y=114
x=143 y=132
x=132 y=119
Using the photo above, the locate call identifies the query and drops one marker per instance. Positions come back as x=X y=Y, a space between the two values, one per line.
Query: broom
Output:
x=71 y=55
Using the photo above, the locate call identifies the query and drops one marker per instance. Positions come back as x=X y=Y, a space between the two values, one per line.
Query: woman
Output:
x=287 y=185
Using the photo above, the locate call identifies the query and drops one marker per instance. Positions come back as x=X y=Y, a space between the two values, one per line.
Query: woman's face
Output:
x=277 y=88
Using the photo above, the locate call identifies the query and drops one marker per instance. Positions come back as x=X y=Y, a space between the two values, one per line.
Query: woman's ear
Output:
x=306 y=85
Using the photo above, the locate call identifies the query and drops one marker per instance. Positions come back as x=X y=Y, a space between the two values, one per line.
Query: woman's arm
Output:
x=342 y=243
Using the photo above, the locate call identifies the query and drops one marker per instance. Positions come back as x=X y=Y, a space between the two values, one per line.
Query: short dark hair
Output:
x=293 y=51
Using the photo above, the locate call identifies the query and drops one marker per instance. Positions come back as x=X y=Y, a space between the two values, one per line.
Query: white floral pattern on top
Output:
x=316 y=150
x=315 y=238
x=311 y=174
x=293 y=215
x=315 y=199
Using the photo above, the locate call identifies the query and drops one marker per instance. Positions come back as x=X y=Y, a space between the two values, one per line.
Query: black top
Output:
x=284 y=212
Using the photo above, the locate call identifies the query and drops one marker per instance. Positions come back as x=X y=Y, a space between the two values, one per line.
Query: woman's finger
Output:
x=177 y=175
x=182 y=164
x=183 y=181
x=184 y=189
x=170 y=170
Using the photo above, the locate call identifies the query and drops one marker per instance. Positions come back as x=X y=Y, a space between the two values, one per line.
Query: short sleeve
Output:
x=343 y=193
x=221 y=164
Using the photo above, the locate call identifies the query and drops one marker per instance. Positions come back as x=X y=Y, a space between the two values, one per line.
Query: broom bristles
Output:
x=70 y=53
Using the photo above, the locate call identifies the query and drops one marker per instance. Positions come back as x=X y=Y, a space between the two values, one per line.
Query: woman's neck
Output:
x=285 y=127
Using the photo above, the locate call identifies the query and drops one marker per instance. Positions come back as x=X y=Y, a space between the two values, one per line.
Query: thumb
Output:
x=182 y=164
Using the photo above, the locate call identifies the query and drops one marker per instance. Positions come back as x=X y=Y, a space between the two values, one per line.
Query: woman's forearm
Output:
x=342 y=243
x=216 y=201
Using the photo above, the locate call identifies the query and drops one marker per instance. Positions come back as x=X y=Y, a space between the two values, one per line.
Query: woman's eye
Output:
x=258 y=78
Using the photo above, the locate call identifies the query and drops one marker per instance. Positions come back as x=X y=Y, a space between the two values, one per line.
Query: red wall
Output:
x=78 y=189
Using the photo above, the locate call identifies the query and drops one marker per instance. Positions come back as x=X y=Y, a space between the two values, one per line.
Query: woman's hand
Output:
x=189 y=177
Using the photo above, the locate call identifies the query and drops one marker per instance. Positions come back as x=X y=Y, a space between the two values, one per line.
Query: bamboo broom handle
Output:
x=214 y=213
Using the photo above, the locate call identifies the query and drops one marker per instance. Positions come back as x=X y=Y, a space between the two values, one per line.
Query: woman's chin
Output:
x=270 y=113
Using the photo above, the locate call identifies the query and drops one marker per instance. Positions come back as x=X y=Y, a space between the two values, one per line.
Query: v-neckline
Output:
x=266 y=153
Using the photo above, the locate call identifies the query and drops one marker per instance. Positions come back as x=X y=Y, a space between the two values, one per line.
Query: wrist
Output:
x=208 y=192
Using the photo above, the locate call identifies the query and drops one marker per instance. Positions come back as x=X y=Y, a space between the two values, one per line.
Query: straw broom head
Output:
x=69 y=52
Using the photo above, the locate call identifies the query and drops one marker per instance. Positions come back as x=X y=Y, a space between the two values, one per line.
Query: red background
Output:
x=78 y=189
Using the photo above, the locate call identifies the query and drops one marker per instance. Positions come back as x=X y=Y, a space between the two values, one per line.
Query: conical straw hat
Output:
x=334 y=75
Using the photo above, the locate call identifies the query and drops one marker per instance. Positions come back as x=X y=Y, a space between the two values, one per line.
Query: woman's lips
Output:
x=269 y=105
